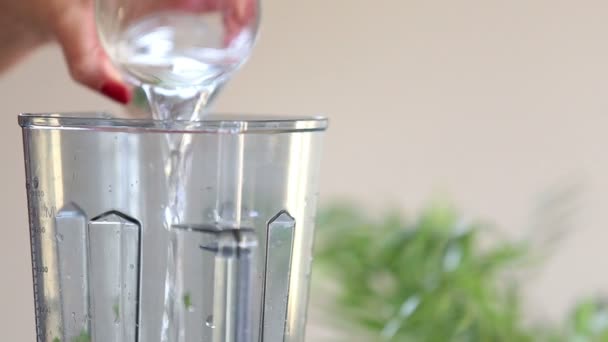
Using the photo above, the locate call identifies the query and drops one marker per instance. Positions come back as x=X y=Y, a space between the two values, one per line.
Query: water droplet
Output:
x=209 y=322
x=59 y=237
x=188 y=302
x=228 y=212
x=116 y=309
x=212 y=214
x=131 y=266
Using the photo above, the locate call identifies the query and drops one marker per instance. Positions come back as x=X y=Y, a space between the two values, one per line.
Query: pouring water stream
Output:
x=180 y=80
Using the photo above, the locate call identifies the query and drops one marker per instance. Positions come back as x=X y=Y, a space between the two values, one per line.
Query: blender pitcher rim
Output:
x=213 y=123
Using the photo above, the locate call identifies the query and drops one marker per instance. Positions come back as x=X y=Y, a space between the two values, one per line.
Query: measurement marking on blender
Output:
x=38 y=229
x=36 y=193
x=42 y=211
x=45 y=310
x=41 y=270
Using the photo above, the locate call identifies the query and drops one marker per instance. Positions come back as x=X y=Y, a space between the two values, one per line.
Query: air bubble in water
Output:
x=209 y=322
x=212 y=214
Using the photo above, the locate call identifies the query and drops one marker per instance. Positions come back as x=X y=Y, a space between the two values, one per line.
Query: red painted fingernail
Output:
x=116 y=91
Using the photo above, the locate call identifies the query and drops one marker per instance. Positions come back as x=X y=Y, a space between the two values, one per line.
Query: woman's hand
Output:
x=28 y=24
x=31 y=23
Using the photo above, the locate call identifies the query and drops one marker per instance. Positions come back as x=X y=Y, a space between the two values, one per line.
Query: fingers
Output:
x=88 y=64
x=198 y=5
x=74 y=28
x=140 y=9
x=237 y=15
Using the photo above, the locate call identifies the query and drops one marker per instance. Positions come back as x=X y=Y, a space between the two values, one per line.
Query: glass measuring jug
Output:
x=236 y=265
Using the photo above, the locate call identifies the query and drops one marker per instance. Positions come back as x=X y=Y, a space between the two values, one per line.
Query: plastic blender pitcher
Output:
x=112 y=261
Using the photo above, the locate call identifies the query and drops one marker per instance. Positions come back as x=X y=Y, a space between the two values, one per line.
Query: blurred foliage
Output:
x=432 y=278
x=83 y=337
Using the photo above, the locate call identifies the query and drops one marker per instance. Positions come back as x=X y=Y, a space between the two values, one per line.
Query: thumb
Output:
x=87 y=62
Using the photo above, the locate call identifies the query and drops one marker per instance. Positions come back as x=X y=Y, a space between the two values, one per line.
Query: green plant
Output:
x=83 y=337
x=116 y=310
x=187 y=299
x=589 y=321
x=430 y=279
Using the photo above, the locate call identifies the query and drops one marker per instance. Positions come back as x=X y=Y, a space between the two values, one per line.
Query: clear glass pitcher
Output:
x=133 y=241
